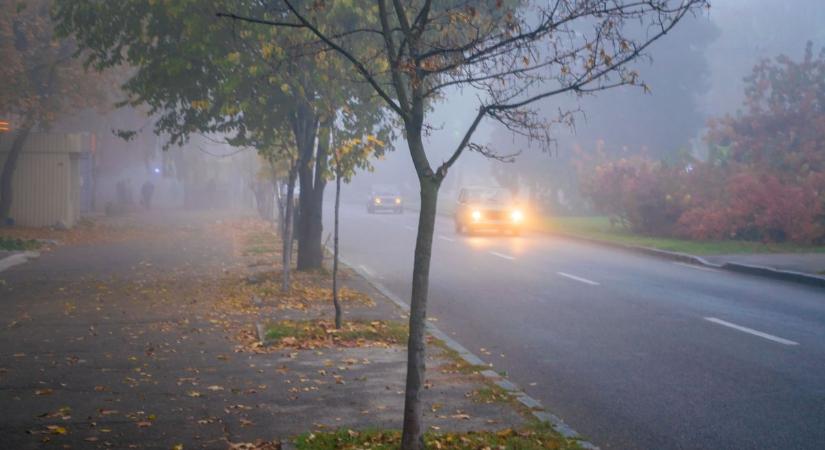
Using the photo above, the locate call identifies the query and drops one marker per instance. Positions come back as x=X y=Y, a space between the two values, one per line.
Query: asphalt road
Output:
x=632 y=351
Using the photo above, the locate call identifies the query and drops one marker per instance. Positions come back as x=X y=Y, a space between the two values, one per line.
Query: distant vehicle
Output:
x=486 y=208
x=385 y=197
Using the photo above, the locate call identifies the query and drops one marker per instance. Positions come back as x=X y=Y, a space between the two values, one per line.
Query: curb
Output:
x=518 y=393
x=762 y=271
x=17 y=258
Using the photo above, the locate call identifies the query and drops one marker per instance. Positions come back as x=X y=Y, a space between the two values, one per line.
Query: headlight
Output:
x=476 y=215
x=517 y=215
x=377 y=201
x=397 y=200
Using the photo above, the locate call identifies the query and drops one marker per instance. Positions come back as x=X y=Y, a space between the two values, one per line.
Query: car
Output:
x=385 y=198
x=488 y=208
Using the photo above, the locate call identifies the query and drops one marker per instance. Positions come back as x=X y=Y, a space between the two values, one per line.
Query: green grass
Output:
x=599 y=228
x=261 y=242
x=491 y=394
x=455 y=364
x=387 y=331
x=14 y=244
x=529 y=438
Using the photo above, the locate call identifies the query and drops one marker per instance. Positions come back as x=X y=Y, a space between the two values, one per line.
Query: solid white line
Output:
x=366 y=270
x=445 y=238
x=767 y=336
x=580 y=279
x=694 y=266
x=502 y=255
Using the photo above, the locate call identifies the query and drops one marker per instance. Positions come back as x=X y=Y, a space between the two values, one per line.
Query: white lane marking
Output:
x=694 y=266
x=767 y=336
x=445 y=238
x=502 y=255
x=579 y=279
x=366 y=270
x=409 y=228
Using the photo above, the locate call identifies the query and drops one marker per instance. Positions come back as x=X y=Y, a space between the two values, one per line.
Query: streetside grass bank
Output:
x=599 y=228
x=17 y=244
x=531 y=438
x=322 y=333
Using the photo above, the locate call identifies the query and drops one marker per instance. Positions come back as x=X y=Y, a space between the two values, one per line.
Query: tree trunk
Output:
x=338 y=312
x=413 y=431
x=279 y=203
x=287 y=230
x=6 y=177
x=313 y=182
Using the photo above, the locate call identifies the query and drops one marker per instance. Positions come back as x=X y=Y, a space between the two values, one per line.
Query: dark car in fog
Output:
x=385 y=198
x=488 y=208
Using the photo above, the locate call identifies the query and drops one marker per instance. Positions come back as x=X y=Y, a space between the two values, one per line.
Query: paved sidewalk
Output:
x=134 y=343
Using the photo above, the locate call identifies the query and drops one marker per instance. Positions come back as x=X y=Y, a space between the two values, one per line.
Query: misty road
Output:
x=630 y=350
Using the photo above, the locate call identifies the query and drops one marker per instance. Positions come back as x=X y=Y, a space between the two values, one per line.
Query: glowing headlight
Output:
x=397 y=200
x=517 y=215
x=377 y=201
x=476 y=215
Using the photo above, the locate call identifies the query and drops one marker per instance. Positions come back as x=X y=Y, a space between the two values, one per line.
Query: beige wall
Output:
x=46 y=182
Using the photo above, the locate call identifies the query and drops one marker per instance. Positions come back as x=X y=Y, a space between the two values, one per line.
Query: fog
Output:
x=412 y=224
x=695 y=74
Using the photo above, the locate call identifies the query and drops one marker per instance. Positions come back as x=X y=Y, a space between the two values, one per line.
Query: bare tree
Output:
x=512 y=54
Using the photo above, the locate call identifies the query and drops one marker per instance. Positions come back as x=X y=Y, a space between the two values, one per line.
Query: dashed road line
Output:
x=445 y=238
x=409 y=228
x=502 y=255
x=579 y=279
x=767 y=336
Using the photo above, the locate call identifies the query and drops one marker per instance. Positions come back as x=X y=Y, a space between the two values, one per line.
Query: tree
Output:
x=41 y=80
x=513 y=55
x=353 y=153
x=201 y=74
x=660 y=124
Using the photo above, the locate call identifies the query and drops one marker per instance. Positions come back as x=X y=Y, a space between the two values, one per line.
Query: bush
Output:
x=764 y=180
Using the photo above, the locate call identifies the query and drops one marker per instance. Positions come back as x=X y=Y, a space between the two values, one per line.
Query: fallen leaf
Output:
x=56 y=429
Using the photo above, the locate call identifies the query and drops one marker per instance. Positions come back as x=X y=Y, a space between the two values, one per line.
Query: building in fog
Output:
x=51 y=185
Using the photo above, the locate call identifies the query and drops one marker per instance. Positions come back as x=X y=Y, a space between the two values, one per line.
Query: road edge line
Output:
x=536 y=408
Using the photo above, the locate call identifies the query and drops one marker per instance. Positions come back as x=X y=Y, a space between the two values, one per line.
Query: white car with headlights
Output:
x=385 y=198
x=485 y=208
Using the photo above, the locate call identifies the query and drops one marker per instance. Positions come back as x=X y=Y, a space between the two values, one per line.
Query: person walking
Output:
x=146 y=192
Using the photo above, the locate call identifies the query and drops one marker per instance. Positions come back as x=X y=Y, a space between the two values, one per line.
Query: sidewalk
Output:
x=151 y=343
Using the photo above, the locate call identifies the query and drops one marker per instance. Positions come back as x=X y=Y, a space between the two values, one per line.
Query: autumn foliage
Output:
x=764 y=178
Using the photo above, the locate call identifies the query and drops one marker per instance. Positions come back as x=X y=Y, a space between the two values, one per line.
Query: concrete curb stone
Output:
x=17 y=258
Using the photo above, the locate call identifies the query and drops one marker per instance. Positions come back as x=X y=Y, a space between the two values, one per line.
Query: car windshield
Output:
x=487 y=195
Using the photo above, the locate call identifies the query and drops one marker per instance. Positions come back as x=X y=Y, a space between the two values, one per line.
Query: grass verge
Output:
x=599 y=228
x=530 y=438
x=16 y=244
x=322 y=333
x=261 y=243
